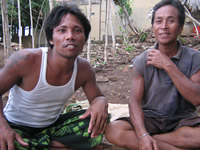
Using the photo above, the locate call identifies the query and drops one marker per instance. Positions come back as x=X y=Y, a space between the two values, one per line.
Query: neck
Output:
x=60 y=64
x=169 y=49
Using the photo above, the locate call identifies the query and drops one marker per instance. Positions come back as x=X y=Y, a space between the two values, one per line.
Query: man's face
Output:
x=166 y=26
x=68 y=37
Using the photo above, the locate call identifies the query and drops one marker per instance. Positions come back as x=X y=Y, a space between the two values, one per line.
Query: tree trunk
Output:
x=124 y=34
x=100 y=21
x=51 y=4
x=20 y=27
x=112 y=30
x=11 y=19
x=31 y=17
x=41 y=30
x=106 y=36
x=133 y=28
x=6 y=33
x=37 y=24
x=89 y=39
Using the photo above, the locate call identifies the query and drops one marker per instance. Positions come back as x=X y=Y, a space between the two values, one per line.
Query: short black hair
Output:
x=56 y=16
x=175 y=3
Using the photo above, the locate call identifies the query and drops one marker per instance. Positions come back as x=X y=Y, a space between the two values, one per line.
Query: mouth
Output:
x=70 y=46
x=164 y=34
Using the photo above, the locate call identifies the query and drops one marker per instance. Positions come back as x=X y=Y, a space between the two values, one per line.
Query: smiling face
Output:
x=166 y=25
x=68 y=37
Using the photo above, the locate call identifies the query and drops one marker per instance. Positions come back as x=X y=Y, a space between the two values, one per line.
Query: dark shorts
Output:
x=68 y=130
x=157 y=126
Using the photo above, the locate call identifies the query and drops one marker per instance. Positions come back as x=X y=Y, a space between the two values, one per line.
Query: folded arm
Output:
x=188 y=87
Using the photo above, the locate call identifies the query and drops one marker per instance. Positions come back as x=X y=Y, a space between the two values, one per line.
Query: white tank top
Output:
x=41 y=106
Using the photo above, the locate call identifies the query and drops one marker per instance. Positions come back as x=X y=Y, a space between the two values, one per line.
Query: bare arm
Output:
x=136 y=112
x=135 y=107
x=10 y=75
x=189 y=88
x=98 y=110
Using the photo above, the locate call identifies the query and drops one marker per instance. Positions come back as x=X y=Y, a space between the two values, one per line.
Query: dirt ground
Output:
x=114 y=77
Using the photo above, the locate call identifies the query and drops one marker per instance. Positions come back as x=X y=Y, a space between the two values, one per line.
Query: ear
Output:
x=180 y=29
x=152 y=28
x=51 y=42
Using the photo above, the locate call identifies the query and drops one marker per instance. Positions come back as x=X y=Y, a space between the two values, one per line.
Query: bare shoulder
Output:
x=85 y=73
x=84 y=65
x=23 y=58
x=21 y=64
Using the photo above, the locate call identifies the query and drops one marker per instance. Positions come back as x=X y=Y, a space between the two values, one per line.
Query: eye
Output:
x=78 y=30
x=61 y=30
x=158 y=21
x=171 y=21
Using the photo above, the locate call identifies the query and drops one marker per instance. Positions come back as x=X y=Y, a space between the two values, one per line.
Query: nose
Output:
x=164 y=25
x=69 y=35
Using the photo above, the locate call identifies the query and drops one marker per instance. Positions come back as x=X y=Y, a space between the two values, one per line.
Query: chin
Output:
x=164 y=42
x=70 y=57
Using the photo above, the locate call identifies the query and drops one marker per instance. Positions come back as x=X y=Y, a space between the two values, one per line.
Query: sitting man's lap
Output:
x=68 y=131
x=157 y=126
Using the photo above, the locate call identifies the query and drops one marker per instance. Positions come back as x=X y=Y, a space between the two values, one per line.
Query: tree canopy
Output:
x=39 y=7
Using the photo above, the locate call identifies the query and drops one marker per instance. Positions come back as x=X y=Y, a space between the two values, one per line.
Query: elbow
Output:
x=196 y=102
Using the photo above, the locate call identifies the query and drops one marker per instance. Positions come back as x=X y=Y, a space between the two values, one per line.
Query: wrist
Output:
x=143 y=135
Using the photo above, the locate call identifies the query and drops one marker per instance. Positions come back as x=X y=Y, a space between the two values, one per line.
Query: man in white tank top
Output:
x=40 y=81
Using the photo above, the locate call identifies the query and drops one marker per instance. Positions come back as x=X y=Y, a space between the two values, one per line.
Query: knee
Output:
x=112 y=131
x=114 y=134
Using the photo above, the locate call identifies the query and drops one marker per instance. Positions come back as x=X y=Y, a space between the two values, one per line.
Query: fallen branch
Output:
x=194 y=21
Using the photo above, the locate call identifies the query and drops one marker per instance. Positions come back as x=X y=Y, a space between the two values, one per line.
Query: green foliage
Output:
x=129 y=48
x=98 y=62
x=126 y=4
x=143 y=37
x=12 y=9
x=36 y=5
x=183 y=41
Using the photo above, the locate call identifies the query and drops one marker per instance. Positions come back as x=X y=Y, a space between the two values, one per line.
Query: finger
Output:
x=149 y=62
x=155 y=146
x=3 y=145
x=11 y=145
x=104 y=126
x=96 y=127
x=85 y=115
x=103 y=123
x=91 y=125
x=20 y=140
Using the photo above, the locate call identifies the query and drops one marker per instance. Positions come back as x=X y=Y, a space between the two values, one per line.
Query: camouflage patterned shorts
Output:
x=68 y=130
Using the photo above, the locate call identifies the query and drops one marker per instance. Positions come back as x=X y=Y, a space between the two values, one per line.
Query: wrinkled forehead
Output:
x=167 y=10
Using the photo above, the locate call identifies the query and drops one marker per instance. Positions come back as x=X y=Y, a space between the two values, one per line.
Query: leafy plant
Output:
x=129 y=48
x=183 y=41
x=126 y=4
x=12 y=9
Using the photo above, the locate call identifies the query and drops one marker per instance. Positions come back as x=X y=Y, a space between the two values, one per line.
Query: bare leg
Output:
x=166 y=146
x=184 y=137
x=121 y=134
x=54 y=145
